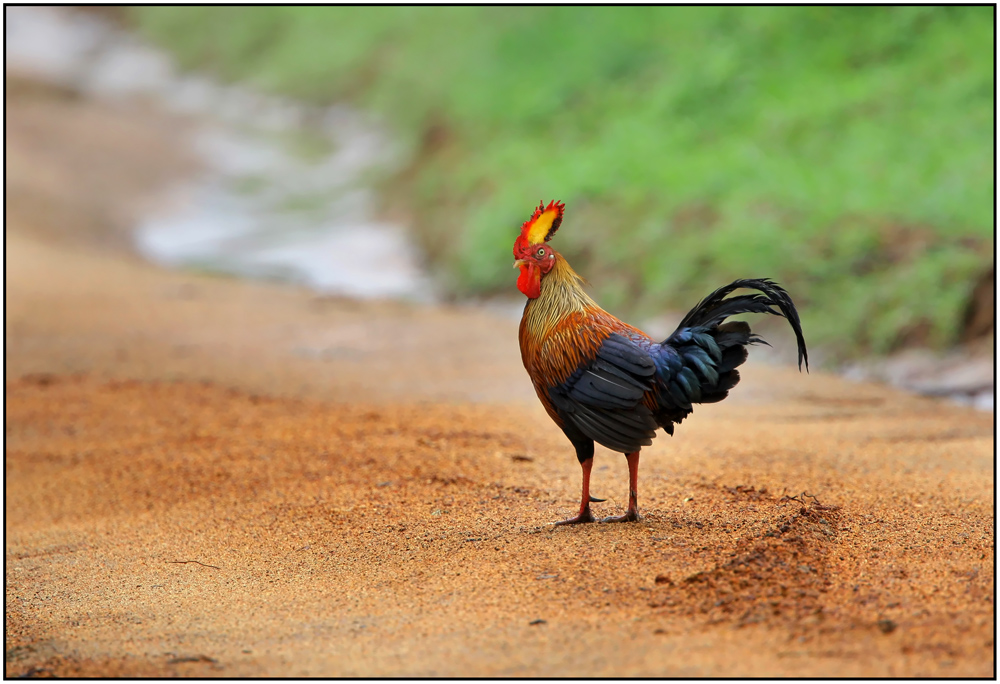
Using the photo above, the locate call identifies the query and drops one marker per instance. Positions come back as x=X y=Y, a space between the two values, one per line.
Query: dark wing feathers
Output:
x=602 y=399
x=626 y=355
x=612 y=370
x=596 y=388
x=624 y=431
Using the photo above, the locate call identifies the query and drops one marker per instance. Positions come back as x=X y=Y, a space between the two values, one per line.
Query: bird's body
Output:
x=602 y=380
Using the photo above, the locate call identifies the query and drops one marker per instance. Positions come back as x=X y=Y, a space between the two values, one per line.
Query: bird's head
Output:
x=533 y=256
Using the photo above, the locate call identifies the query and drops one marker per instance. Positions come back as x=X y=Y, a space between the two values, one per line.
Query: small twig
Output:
x=801 y=499
x=198 y=562
x=785 y=498
x=192 y=659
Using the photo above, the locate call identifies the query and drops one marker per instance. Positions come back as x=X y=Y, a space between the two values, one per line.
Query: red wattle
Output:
x=530 y=281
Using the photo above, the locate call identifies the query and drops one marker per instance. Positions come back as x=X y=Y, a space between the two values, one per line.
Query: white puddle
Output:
x=282 y=193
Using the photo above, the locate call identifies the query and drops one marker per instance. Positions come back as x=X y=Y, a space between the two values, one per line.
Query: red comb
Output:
x=544 y=223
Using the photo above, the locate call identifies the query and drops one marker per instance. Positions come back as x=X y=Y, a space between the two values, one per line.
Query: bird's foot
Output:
x=584 y=516
x=631 y=515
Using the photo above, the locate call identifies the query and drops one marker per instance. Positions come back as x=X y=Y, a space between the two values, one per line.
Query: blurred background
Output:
x=373 y=152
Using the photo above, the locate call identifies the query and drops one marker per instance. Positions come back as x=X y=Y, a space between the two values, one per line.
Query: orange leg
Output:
x=633 y=498
x=584 y=516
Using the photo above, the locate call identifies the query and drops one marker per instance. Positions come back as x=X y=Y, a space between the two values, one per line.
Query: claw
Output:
x=629 y=516
x=594 y=499
x=584 y=517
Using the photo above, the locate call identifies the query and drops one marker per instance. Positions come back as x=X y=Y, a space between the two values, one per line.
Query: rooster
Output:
x=602 y=380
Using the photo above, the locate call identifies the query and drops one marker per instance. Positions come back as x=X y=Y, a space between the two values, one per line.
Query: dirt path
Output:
x=207 y=477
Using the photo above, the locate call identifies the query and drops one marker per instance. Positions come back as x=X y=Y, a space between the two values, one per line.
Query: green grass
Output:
x=846 y=152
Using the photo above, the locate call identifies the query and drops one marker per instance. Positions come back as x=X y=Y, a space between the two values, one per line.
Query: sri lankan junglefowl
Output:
x=602 y=380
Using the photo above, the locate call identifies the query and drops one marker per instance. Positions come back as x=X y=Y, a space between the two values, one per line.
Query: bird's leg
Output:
x=584 y=516
x=633 y=499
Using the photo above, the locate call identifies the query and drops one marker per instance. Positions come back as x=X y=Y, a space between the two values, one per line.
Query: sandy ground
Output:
x=208 y=477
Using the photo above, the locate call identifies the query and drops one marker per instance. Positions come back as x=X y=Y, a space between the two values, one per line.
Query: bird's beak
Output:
x=519 y=263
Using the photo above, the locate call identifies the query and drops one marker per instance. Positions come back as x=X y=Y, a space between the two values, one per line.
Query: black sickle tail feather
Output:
x=715 y=308
x=697 y=363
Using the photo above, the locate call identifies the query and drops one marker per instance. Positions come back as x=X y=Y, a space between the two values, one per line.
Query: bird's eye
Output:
x=541 y=252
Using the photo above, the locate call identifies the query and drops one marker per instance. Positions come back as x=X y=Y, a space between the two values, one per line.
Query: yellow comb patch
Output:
x=543 y=223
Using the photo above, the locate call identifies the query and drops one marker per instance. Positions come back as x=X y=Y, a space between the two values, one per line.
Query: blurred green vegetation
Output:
x=845 y=151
